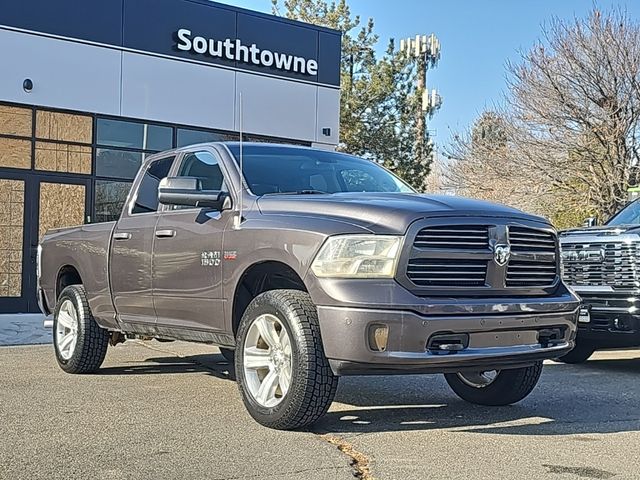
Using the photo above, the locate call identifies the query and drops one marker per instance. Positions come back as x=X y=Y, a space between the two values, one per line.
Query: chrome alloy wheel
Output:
x=67 y=329
x=479 y=379
x=267 y=361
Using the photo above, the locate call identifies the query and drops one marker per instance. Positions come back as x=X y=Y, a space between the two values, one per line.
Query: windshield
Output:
x=629 y=215
x=275 y=169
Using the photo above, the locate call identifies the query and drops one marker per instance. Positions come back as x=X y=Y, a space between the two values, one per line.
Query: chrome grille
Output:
x=529 y=240
x=463 y=257
x=616 y=264
x=533 y=262
x=432 y=272
x=461 y=237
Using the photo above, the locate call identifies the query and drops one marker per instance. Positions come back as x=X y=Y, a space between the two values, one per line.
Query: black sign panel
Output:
x=192 y=29
x=97 y=21
x=152 y=25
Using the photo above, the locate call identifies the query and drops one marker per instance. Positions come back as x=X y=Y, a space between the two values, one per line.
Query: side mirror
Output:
x=590 y=222
x=187 y=191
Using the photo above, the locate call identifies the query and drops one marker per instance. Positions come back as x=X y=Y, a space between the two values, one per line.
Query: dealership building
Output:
x=88 y=88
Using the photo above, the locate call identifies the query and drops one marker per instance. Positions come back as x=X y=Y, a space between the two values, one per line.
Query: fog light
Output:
x=621 y=324
x=378 y=336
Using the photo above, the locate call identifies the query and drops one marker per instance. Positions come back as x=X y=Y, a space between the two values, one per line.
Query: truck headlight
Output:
x=358 y=256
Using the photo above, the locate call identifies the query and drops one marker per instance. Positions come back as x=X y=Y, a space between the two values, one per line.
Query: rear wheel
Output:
x=495 y=387
x=283 y=375
x=580 y=354
x=80 y=344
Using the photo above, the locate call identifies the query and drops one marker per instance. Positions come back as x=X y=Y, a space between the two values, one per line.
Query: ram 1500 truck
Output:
x=602 y=265
x=303 y=265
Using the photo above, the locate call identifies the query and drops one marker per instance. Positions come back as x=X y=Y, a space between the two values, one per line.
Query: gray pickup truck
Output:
x=602 y=263
x=303 y=265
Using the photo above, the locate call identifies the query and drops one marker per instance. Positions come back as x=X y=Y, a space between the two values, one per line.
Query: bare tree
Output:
x=571 y=123
x=576 y=107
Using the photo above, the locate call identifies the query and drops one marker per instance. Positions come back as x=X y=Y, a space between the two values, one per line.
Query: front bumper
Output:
x=614 y=319
x=495 y=341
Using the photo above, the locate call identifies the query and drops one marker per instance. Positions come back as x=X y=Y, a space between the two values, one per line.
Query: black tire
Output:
x=228 y=354
x=510 y=386
x=580 y=354
x=313 y=384
x=92 y=341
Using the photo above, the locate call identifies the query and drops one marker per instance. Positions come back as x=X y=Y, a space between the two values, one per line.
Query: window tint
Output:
x=147 y=196
x=203 y=165
x=629 y=215
x=110 y=198
x=275 y=169
x=118 y=133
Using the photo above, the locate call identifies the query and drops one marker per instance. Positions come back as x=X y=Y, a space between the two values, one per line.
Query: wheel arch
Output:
x=67 y=275
x=261 y=277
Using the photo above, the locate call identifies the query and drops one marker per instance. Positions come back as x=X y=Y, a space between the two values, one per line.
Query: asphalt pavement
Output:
x=172 y=411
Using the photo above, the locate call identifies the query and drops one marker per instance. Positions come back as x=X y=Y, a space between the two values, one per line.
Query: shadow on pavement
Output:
x=600 y=396
x=210 y=364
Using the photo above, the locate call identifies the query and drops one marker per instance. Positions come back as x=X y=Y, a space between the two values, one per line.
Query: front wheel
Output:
x=496 y=387
x=283 y=375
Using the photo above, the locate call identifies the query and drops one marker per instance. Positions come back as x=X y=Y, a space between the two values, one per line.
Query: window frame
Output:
x=135 y=188
x=223 y=169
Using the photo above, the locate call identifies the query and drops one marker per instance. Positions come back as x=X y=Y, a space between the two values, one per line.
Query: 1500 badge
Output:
x=210 y=259
x=213 y=258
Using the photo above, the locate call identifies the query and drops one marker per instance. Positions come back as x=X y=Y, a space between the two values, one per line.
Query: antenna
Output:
x=238 y=220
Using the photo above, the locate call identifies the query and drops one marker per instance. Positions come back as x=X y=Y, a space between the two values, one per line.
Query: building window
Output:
x=60 y=205
x=110 y=198
x=63 y=157
x=190 y=136
x=57 y=147
x=15 y=121
x=142 y=136
x=11 y=223
x=15 y=153
x=64 y=127
x=118 y=163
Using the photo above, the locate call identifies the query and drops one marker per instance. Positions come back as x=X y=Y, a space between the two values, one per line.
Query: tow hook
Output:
x=549 y=337
x=448 y=343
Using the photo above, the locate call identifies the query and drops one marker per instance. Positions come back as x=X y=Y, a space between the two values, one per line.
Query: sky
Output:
x=478 y=37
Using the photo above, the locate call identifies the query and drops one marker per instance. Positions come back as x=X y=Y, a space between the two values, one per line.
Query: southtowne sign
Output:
x=230 y=49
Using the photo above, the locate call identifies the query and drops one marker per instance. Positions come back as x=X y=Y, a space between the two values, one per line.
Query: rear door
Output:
x=131 y=248
x=188 y=255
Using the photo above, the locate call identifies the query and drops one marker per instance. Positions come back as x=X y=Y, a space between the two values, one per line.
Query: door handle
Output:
x=165 y=233
x=122 y=236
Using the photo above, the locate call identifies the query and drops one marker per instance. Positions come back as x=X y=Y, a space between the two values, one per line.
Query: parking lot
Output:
x=171 y=410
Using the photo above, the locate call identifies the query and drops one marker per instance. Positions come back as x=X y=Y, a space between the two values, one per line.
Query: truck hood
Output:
x=384 y=212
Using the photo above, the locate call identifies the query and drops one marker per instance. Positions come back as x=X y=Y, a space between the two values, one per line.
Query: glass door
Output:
x=29 y=206
x=12 y=243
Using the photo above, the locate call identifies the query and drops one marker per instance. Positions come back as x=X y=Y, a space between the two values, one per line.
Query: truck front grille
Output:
x=461 y=237
x=531 y=269
x=464 y=258
x=530 y=240
x=426 y=272
x=521 y=273
x=610 y=264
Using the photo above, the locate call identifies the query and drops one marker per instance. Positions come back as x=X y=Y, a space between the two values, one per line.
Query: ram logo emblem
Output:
x=501 y=254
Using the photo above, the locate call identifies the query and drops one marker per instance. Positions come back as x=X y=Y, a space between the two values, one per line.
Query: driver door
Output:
x=187 y=254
